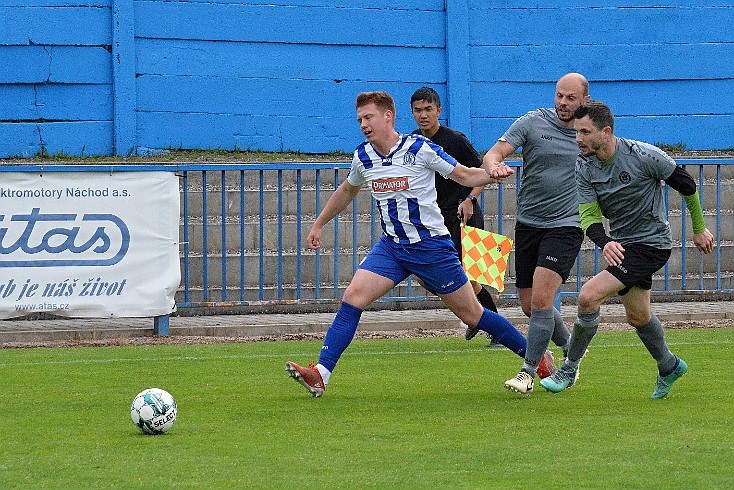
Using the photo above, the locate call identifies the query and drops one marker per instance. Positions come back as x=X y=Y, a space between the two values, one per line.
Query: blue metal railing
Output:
x=255 y=269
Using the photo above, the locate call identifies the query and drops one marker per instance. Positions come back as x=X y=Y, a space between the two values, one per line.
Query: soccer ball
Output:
x=153 y=411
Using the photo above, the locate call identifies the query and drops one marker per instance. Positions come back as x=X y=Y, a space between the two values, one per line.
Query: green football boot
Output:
x=560 y=380
x=666 y=382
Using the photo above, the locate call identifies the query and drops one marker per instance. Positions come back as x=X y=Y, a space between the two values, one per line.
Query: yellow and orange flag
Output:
x=484 y=256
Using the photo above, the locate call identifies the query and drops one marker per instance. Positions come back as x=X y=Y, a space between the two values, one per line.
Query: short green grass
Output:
x=407 y=413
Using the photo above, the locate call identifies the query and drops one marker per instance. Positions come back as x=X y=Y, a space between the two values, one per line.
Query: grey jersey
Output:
x=547 y=197
x=629 y=192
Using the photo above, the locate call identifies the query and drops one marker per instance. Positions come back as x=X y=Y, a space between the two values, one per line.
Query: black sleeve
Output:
x=468 y=155
x=681 y=181
x=598 y=235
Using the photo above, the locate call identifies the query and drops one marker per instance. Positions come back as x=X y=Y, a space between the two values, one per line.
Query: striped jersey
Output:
x=403 y=186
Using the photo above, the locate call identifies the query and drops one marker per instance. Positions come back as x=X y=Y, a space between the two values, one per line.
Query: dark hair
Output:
x=381 y=99
x=598 y=112
x=427 y=94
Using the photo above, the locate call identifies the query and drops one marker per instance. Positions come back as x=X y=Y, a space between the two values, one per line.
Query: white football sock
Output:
x=325 y=373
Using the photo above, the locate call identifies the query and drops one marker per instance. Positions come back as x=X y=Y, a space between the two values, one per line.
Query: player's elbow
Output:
x=688 y=189
x=681 y=181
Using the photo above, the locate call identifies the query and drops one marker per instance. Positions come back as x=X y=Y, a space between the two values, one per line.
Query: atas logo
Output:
x=624 y=177
x=57 y=240
x=409 y=158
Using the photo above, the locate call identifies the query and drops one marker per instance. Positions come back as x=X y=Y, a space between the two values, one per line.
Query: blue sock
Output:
x=339 y=335
x=503 y=332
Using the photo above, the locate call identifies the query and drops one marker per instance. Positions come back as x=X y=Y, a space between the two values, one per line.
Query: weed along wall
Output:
x=101 y=77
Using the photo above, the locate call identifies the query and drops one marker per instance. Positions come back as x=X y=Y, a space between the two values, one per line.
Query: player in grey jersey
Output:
x=548 y=233
x=620 y=179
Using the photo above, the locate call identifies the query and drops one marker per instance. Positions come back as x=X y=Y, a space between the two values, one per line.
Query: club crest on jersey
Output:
x=409 y=158
x=624 y=177
x=390 y=185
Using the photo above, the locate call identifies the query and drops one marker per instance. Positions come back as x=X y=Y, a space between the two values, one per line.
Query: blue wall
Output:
x=120 y=76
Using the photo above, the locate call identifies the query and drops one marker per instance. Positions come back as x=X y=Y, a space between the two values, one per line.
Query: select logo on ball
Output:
x=153 y=411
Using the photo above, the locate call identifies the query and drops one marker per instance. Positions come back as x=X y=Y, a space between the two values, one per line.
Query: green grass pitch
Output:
x=398 y=413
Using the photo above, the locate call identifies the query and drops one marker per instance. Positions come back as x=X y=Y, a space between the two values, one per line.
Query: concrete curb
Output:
x=21 y=331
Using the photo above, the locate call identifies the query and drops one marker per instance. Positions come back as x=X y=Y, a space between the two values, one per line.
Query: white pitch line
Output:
x=299 y=355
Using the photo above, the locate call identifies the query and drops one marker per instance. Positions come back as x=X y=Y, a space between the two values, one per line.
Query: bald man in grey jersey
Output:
x=548 y=233
x=621 y=180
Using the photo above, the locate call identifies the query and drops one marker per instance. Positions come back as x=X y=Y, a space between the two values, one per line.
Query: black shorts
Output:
x=453 y=223
x=639 y=264
x=553 y=248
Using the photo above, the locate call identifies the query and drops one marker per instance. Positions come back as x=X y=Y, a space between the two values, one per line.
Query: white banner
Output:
x=89 y=244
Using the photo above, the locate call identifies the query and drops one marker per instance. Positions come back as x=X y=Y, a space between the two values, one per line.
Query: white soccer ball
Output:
x=153 y=411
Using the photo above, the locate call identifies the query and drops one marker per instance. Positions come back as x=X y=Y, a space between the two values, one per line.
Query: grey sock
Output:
x=583 y=331
x=561 y=335
x=540 y=330
x=653 y=336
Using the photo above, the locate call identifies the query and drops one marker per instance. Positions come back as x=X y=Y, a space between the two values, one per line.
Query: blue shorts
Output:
x=433 y=260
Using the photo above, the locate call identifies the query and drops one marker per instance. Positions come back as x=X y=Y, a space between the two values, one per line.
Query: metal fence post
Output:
x=161 y=325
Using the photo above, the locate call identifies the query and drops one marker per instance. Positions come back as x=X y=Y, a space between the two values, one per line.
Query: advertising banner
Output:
x=89 y=244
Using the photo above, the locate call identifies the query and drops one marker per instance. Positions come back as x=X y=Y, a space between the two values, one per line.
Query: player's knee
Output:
x=348 y=297
x=638 y=319
x=471 y=319
x=356 y=296
x=587 y=300
x=527 y=310
x=471 y=315
x=541 y=301
x=526 y=304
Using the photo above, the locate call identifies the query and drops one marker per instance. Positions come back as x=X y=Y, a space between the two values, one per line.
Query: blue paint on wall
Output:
x=114 y=76
x=123 y=74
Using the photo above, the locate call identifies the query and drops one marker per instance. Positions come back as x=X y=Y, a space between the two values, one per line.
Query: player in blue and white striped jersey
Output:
x=402 y=186
x=400 y=170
